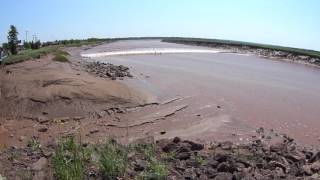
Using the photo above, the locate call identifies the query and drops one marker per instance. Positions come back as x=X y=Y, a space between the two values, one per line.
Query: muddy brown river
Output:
x=225 y=93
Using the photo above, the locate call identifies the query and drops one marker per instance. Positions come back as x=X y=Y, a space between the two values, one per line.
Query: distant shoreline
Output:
x=302 y=56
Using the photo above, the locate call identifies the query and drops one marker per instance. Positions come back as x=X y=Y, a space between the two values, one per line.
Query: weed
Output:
x=34 y=144
x=113 y=160
x=156 y=169
x=68 y=160
x=199 y=160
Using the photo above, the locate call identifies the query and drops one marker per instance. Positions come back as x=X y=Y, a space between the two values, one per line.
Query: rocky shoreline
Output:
x=268 y=156
x=266 y=53
x=108 y=70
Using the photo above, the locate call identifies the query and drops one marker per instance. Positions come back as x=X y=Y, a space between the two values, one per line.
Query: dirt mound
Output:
x=45 y=87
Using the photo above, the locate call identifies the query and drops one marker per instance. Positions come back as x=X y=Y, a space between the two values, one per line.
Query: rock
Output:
x=211 y=163
x=94 y=131
x=140 y=165
x=315 y=157
x=40 y=165
x=163 y=132
x=307 y=170
x=315 y=167
x=78 y=118
x=279 y=173
x=195 y=146
x=42 y=120
x=226 y=145
x=184 y=147
x=226 y=167
x=170 y=147
x=47 y=152
x=224 y=176
x=176 y=140
x=296 y=157
x=43 y=129
x=278 y=147
x=183 y=155
x=22 y=138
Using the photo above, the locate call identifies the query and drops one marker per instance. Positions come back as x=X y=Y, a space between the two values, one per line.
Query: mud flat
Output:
x=224 y=92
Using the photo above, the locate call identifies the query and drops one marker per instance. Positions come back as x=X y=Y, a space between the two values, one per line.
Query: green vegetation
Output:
x=155 y=169
x=213 y=42
x=34 y=144
x=77 y=42
x=34 y=54
x=13 y=40
x=68 y=160
x=113 y=160
x=60 y=58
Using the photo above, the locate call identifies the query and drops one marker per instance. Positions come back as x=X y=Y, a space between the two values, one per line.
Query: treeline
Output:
x=76 y=42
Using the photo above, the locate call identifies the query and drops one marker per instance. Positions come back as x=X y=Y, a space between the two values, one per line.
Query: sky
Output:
x=294 y=23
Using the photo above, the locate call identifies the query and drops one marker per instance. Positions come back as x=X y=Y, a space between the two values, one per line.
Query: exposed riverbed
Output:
x=224 y=92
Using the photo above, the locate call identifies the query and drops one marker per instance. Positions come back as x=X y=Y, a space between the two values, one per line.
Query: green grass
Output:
x=33 y=54
x=60 y=58
x=68 y=160
x=208 y=42
x=34 y=144
x=156 y=169
x=113 y=160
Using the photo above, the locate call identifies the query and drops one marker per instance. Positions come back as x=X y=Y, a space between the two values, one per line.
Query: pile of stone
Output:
x=228 y=161
x=108 y=70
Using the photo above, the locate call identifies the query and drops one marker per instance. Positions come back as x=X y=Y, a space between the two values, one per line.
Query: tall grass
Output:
x=68 y=160
x=113 y=160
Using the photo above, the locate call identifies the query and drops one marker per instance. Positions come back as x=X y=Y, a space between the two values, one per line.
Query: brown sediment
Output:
x=44 y=93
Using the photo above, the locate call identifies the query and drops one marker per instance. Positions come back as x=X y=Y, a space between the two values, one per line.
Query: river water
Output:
x=252 y=90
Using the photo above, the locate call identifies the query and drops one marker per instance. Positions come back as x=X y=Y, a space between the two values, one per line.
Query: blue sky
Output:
x=283 y=22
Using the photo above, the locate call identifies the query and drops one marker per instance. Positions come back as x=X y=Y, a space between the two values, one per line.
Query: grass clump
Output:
x=60 y=58
x=68 y=160
x=156 y=169
x=113 y=160
x=34 y=144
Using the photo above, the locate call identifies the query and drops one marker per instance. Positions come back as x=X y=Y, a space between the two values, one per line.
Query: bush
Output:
x=113 y=160
x=68 y=162
x=60 y=58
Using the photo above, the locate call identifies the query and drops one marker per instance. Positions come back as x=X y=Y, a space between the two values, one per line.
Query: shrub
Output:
x=60 y=58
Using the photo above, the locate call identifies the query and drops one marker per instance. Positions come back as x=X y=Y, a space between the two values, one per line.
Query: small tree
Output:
x=13 y=39
x=5 y=46
x=26 y=45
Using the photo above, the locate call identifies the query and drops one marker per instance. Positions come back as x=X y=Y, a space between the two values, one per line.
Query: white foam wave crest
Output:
x=147 y=51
